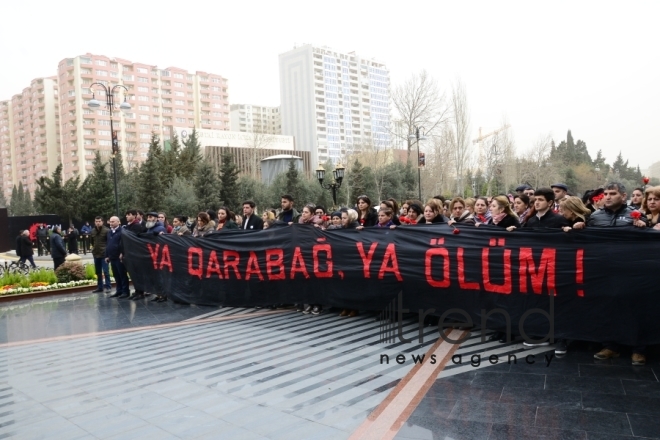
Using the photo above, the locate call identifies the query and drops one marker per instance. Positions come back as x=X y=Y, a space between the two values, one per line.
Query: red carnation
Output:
x=362 y=221
x=645 y=180
x=325 y=218
x=636 y=215
x=456 y=231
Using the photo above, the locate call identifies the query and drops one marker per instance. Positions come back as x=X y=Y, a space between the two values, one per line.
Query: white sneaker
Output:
x=539 y=344
x=307 y=309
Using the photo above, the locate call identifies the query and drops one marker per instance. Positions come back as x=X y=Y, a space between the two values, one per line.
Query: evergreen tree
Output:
x=205 y=185
x=49 y=197
x=170 y=162
x=73 y=200
x=190 y=156
x=180 y=199
x=20 y=203
x=98 y=191
x=229 y=182
x=3 y=200
x=356 y=180
x=293 y=180
x=28 y=204
x=150 y=193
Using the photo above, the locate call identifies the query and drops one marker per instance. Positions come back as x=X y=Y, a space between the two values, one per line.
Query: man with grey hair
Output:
x=616 y=213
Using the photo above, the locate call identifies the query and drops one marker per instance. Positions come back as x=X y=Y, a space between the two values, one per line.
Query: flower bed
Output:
x=46 y=279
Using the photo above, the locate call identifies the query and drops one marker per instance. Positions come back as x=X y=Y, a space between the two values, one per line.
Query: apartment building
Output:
x=334 y=103
x=29 y=135
x=255 y=119
x=160 y=100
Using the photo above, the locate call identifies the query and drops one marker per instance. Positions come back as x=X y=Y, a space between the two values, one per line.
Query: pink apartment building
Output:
x=29 y=135
x=50 y=121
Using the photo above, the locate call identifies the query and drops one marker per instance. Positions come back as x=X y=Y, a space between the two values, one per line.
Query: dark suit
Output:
x=253 y=222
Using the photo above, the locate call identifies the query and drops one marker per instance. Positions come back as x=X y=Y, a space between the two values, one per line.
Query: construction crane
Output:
x=480 y=140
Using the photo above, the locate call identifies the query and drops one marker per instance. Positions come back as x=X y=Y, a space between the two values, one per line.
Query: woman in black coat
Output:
x=366 y=215
x=501 y=214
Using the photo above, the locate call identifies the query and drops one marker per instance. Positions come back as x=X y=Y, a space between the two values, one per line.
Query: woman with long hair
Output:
x=163 y=219
x=575 y=212
x=366 y=215
x=458 y=212
x=651 y=206
x=226 y=219
x=307 y=216
x=521 y=207
x=636 y=198
x=204 y=226
x=349 y=221
x=501 y=214
x=432 y=214
x=481 y=213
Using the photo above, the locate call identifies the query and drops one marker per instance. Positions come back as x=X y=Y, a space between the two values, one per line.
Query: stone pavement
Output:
x=88 y=366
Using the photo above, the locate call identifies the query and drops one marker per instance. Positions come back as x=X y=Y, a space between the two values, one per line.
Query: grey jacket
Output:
x=620 y=217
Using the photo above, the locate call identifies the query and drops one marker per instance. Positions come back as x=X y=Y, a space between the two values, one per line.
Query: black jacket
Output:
x=437 y=219
x=113 y=246
x=548 y=220
x=254 y=222
x=506 y=222
x=371 y=219
x=26 y=246
x=620 y=217
x=19 y=241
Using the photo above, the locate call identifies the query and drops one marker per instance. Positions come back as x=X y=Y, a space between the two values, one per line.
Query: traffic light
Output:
x=422 y=160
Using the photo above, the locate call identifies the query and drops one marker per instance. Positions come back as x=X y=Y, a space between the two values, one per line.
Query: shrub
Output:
x=42 y=276
x=70 y=271
x=9 y=278
x=90 y=272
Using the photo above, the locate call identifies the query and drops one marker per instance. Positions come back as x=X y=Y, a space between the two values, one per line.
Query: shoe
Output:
x=638 y=359
x=353 y=313
x=344 y=312
x=606 y=353
x=137 y=297
x=258 y=307
x=108 y=289
x=497 y=336
x=154 y=299
x=561 y=347
x=535 y=344
x=161 y=299
x=299 y=307
x=97 y=291
x=316 y=310
x=115 y=295
x=308 y=309
x=124 y=296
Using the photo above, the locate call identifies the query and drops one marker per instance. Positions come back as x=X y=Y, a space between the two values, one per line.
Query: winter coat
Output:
x=294 y=217
x=228 y=224
x=113 y=244
x=204 y=230
x=183 y=230
x=620 y=217
x=26 y=247
x=99 y=239
x=466 y=218
x=371 y=219
x=547 y=220
x=57 y=249
x=156 y=229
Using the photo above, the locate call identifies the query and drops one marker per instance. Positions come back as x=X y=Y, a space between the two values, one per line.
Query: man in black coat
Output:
x=250 y=219
x=544 y=216
x=57 y=249
x=26 y=249
x=136 y=226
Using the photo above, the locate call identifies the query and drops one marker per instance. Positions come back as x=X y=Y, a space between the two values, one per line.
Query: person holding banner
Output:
x=458 y=212
x=501 y=214
x=651 y=206
x=617 y=214
x=575 y=212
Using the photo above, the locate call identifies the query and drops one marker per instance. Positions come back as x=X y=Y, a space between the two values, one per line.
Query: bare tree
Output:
x=256 y=142
x=418 y=102
x=535 y=168
x=440 y=162
x=460 y=125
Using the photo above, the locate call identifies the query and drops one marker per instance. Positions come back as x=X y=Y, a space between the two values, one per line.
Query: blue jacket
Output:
x=57 y=249
x=113 y=247
x=157 y=229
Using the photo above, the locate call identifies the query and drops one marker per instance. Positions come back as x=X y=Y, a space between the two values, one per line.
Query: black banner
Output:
x=602 y=279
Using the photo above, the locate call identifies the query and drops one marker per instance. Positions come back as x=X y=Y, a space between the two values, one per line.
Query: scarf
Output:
x=498 y=218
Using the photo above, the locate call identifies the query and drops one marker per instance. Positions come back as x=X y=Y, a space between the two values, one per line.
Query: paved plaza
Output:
x=87 y=366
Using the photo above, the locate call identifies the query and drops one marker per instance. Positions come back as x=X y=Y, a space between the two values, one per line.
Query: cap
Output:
x=523 y=187
x=152 y=214
x=559 y=185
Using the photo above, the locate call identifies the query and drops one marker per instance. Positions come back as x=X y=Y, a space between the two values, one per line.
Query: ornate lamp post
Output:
x=125 y=107
x=421 y=160
x=338 y=174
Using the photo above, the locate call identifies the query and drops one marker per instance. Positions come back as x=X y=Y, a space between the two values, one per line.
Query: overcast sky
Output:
x=592 y=67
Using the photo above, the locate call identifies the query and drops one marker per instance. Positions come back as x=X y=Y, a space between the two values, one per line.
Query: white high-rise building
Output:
x=255 y=119
x=334 y=103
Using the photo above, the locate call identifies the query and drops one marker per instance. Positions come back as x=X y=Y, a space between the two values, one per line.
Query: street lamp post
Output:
x=420 y=159
x=125 y=107
x=338 y=175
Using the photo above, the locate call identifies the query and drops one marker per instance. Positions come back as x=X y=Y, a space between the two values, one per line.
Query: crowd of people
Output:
x=552 y=207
